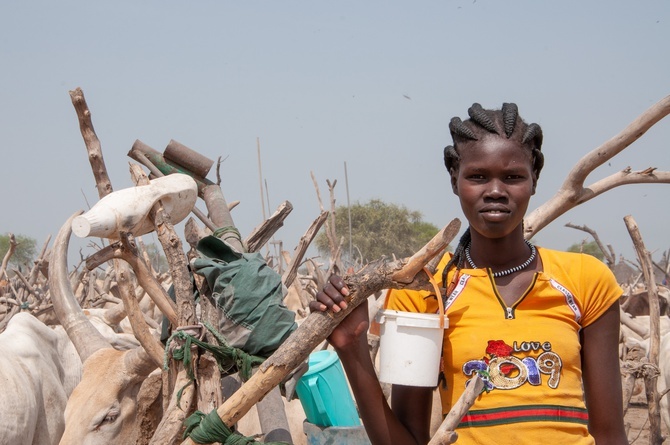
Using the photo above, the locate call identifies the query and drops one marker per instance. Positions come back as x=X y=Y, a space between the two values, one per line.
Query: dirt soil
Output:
x=637 y=421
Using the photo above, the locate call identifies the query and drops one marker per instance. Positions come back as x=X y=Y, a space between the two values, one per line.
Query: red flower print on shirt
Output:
x=498 y=348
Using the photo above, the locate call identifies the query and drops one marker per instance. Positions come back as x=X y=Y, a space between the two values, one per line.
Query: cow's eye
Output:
x=109 y=418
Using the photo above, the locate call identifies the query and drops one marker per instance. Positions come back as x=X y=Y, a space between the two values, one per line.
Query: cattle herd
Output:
x=82 y=357
x=74 y=373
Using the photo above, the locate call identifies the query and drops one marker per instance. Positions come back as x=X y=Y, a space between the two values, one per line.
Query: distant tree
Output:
x=25 y=251
x=379 y=228
x=158 y=260
x=591 y=248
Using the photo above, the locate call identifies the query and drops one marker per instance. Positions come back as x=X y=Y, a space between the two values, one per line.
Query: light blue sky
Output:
x=373 y=84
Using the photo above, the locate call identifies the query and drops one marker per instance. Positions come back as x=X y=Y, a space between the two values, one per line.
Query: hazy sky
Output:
x=372 y=84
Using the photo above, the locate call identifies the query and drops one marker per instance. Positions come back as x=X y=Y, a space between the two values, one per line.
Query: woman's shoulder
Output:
x=569 y=259
x=575 y=267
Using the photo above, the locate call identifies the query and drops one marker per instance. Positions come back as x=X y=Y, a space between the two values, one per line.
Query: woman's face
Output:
x=494 y=183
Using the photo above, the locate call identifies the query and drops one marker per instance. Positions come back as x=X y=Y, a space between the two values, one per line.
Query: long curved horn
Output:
x=114 y=314
x=82 y=333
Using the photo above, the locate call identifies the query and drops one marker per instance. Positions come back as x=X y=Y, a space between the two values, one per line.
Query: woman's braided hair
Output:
x=482 y=123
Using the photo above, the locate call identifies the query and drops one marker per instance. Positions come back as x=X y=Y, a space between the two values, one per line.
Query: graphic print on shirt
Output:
x=523 y=363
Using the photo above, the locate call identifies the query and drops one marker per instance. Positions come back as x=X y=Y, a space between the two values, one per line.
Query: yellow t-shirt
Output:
x=529 y=353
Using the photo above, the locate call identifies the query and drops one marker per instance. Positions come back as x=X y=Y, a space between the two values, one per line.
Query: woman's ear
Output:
x=453 y=173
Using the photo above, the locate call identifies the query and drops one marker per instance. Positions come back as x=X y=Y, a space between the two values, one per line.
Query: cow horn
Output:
x=82 y=333
x=139 y=363
x=114 y=314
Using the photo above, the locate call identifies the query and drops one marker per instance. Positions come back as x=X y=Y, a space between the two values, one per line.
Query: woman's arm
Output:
x=602 y=378
x=409 y=421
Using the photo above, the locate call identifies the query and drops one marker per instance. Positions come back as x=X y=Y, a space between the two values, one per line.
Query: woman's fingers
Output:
x=339 y=284
x=317 y=306
x=332 y=296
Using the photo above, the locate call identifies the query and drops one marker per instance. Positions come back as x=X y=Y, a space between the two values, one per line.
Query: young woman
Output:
x=541 y=326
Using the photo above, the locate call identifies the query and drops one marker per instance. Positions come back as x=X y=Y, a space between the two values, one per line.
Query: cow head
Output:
x=103 y=408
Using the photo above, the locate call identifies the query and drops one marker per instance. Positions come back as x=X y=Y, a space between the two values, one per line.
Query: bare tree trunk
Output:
x=573 y=192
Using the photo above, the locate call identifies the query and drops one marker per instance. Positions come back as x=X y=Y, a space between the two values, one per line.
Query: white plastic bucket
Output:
x=410 y=347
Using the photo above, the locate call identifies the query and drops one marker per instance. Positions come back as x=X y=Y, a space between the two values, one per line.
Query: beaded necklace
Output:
x=502 y=273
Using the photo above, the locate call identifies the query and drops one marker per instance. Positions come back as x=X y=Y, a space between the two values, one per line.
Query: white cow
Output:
x=39 y=368
x=663 y=382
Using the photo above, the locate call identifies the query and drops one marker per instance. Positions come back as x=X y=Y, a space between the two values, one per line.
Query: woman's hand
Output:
x=353 y=327
x=332 y=296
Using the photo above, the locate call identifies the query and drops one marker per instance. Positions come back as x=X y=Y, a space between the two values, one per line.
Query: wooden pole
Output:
x=445 y=434
x=653 y=399
x=346 y=185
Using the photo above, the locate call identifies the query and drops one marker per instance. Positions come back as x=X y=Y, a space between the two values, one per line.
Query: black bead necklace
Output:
x=502 y=273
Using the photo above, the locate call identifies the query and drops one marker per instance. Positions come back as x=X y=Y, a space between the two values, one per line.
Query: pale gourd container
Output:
x=128 y=209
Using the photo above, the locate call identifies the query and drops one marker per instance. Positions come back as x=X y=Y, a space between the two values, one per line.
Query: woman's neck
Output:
x=499 y=253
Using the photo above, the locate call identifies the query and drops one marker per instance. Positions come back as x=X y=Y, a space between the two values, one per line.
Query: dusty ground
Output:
x=637 y=421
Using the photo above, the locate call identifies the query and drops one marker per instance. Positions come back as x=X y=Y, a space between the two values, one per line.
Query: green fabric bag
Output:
x=249 y=294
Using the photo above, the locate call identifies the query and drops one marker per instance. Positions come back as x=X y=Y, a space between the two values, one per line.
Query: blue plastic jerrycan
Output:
x=324 y=393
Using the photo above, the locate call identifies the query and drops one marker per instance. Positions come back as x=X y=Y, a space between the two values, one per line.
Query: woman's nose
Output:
x=496 y=190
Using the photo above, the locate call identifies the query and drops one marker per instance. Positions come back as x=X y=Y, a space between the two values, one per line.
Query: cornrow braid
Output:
x=451 y=157
x=483 y=123
x=458 y=128
x=458 y=258
x=479 y=115
x=533 y=135
x=510 y=113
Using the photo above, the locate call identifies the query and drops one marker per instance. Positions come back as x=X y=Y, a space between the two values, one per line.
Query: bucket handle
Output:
x=318 y=401
x=438 y=295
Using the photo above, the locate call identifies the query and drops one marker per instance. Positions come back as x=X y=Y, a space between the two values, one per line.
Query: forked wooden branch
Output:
x=318 y=325
x=573 y=192
x=132 y=256
x=132 y=308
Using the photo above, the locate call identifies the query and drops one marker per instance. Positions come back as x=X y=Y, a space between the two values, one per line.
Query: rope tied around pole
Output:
x=228 y=232
x=209 y=428
x=227 y=357
x=640 y=369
